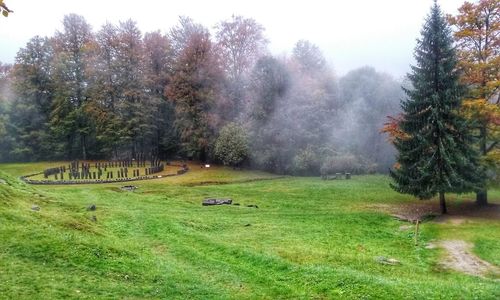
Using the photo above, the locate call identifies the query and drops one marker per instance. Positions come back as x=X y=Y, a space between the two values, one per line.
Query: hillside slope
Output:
x=308 y=238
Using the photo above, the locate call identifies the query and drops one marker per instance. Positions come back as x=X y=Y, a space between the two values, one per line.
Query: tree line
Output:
x=118 y=93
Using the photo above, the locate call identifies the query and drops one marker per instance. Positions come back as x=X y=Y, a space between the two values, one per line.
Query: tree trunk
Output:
x=84 y=148
x=203 y=155
x=482 y=198
x=134 y=153
x=482 y=195
x=442 y=203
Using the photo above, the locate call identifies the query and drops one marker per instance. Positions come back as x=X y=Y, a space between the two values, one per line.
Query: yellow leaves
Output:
x=487 y=114
x=481 y=76
x=492 y=161
x=482 y=111
x=477 y=33
x=493 y=157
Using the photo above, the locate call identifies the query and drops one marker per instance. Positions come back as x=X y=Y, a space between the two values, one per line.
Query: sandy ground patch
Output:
x=460 y=258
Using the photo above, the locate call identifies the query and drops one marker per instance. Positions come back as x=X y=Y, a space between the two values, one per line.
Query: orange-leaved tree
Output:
x=393 y=131
x=391 y=127
x=477 y=37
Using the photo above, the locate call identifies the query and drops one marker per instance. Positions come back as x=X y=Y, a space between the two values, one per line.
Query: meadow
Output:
x=289 y=238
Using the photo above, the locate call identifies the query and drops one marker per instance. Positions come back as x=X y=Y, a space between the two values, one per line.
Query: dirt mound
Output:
x=460 y=258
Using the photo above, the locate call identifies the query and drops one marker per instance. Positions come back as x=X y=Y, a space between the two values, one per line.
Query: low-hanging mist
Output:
x=116 y=93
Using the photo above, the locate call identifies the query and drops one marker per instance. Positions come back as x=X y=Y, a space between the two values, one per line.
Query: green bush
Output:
x=306 y=162
x=231 y=147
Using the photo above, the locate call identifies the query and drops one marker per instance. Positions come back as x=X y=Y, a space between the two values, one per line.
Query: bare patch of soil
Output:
x=460 y=258
x=409 y=212
x=458 y=213
x=466 y=211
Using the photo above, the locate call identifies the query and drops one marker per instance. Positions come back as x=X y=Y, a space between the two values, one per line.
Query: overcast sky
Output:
x=351 y=33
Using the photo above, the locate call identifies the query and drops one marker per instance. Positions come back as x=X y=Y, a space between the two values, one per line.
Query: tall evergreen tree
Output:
x=6 y=136
x=158 y=64
x=33 y=92
x=70 y=121
x=435 y=153
x=105 y=92
x=133 y=110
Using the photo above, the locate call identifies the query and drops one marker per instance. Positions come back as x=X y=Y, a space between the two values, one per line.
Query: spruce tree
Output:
x=435 y=152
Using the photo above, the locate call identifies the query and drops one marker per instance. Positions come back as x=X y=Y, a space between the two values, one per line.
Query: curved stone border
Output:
x=26 y=179
x=217 y=182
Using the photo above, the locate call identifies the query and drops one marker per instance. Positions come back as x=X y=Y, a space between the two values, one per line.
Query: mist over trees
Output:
x=115 y=92
x=368 y=97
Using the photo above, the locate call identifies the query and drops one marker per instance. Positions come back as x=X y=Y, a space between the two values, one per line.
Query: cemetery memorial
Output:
x=84 y=172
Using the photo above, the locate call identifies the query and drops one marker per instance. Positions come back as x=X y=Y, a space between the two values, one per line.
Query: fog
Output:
x=351 y=34
x=116 y=92
x=321 y=123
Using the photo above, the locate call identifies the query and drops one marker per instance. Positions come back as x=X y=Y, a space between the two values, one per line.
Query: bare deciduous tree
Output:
x=241 y=42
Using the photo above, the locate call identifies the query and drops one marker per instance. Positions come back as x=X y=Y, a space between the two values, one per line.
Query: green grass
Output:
x=308 y=239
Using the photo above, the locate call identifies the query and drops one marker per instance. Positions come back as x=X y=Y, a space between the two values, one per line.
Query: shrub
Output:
x=306 y=162
x=231 y=147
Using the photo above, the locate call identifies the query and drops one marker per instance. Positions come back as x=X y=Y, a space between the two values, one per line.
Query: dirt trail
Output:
x=459 y=253
x=461 y=258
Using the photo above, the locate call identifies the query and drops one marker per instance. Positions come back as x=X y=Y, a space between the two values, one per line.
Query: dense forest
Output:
x=192 y=93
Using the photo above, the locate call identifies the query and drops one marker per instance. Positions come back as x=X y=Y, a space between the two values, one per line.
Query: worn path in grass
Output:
x=459 y=254
x=460 y=258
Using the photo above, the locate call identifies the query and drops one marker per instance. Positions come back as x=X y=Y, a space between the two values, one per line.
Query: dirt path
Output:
x=459 y=255
x=461 y=258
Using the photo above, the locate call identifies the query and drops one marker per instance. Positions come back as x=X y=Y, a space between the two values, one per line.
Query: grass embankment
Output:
x=308 y=239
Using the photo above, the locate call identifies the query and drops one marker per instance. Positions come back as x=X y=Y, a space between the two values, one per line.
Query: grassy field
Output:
x=308 y=238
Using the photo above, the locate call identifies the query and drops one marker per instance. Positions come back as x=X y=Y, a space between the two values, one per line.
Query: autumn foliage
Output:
x=477 y=35
x=391 y=127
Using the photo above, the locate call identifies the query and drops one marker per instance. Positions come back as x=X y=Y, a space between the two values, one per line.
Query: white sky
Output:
x=351 y=33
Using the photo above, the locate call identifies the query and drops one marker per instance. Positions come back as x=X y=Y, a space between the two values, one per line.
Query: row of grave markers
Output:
x=86 y=173
x=99 y=174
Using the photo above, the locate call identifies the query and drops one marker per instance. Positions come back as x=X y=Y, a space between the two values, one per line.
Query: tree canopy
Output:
x=477 y=36
x=116 y=92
